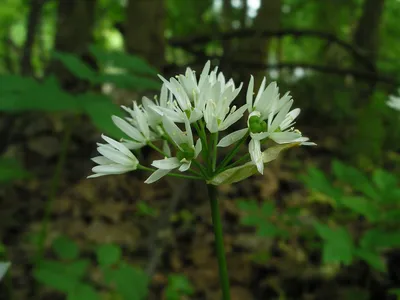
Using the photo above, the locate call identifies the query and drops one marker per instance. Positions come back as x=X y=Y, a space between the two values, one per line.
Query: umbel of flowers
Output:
x=186 y=125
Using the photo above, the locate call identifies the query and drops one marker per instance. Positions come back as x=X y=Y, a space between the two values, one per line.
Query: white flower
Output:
x=137 y=128
x=218 y=113
x=116 y=159
x=186 y=151
x=394 y=102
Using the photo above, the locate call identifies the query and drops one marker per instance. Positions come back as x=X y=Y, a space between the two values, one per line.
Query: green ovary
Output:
x=186 y=152
x=257 y=125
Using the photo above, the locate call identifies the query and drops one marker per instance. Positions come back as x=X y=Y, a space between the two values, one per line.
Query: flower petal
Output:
x=156 y=175
x=232 y=137
x=127 y=128
x=166 y=163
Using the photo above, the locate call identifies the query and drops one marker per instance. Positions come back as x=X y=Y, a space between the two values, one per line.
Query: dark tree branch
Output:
x=191 y=42
x=32 y=27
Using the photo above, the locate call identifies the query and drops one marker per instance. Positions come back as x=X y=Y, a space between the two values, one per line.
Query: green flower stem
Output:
x=219 y=242
x=231 y=154
x=140 y=167
x=214 y=142
x=53 y=191
x=151 y=145
x=202 y=170
x=236 y=163
x=200 y=131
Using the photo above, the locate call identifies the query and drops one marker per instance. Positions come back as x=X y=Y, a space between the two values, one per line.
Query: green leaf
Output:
x=338 y=245
x=122 y=60
x=372 y=258
x=244 y=171
x=317 y=181
x=65 y=248
x=100 y=109
x=384 y=180
x=60 y=276
x=362 y=206
x=145 y=210
x=44 y=96
x=11 y=169
x=355 y=178
x=131 y=283
x=76 y=66
x=83 y=292
x=129 y=81
x=108 y=255
x=178 y=286
x=379 y=239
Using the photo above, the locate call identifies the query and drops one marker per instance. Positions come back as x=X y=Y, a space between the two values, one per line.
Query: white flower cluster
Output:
x=188 y=108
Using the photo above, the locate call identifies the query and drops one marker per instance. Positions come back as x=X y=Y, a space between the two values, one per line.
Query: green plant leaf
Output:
x=129 y=81
x=122 y=60
x=60 y=276
x=372 y=258
x=145 y=210
x=43 y=96
x=108 y=254
x=244 y=171
x=178 y=286
x=362 y=206
x=100 y=109
x=338 y=245
x=131 y=283
x=380 y=239
x=83 y=291
x=316 y=180
x=11 y=169
x=384 y=180
x=65 y=248
x=355 y=178
x=76 y=66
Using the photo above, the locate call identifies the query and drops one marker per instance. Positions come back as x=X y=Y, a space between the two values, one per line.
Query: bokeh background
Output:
x=321 y=223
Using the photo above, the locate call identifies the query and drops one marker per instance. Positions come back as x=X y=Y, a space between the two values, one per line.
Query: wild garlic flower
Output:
x=203 y=106
x=394 y=102
x=186 y=151
x=116 y=159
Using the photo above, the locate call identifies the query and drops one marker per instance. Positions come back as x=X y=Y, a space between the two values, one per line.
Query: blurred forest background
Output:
x=321 y=223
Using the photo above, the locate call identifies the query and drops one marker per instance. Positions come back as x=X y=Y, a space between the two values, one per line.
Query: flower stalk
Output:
x=219 y=241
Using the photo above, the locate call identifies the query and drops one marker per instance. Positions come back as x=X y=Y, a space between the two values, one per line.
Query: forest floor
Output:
x=175 y=235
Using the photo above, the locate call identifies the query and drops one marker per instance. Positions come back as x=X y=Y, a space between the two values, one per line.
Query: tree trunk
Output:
x=144 y=30
x=366 y=34
x=255 y=49
x=74 y=34
x=31 y=32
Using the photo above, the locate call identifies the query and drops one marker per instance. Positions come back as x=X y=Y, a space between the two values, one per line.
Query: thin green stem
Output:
x=219 y=242
x=151 y=145
x=214 y=142
x=231 y=154
x=55 y=182
x=203 y=139
x=140 y=167
x=202 y=170
x=236 y=163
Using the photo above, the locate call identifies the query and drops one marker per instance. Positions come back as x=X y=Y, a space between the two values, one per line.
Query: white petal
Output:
x=127 y=128
x=285 y=137
x=156 y=175
x=101 y=160
x=166 y=163
x=112 y=169
x=185 y=166
x=260 y=92
x=142 y=121
x=249 y=94
x=166 y=149
x=174 y=132
x=259 y=136
x=232 y=137
x=115 y=155
x=256 y=155
x=280 y=117
x=119 y=146
x=232 y=118
x=189 y=134
x=198 y=148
